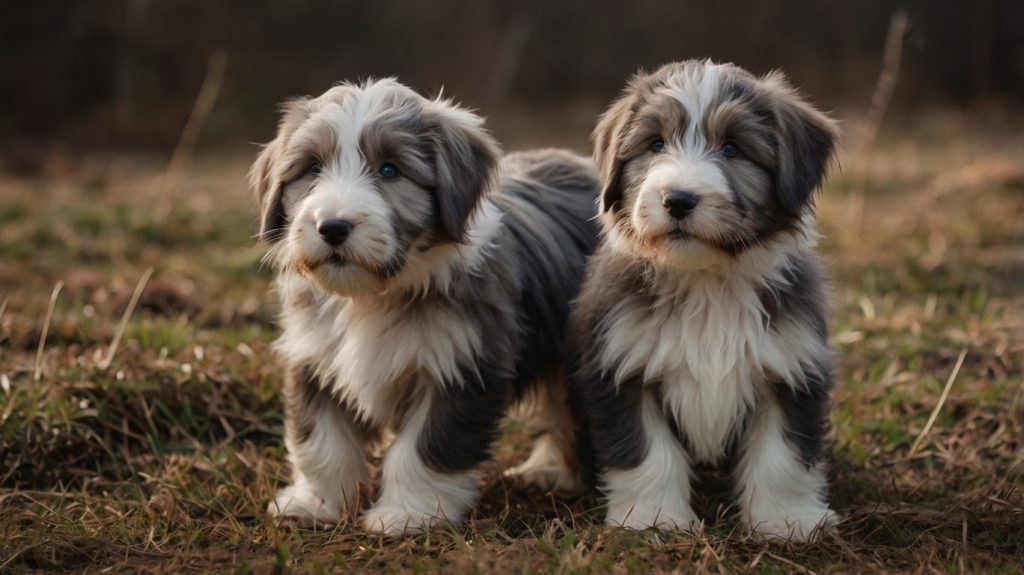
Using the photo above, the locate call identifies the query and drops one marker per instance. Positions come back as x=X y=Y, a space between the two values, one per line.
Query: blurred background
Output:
x=127 y=72
x=140 y=422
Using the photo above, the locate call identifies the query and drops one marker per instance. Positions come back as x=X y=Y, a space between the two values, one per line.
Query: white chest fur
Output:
x=708 y=341
x=701 y=341
x=366 y=349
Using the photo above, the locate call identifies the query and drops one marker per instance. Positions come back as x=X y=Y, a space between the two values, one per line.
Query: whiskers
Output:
x=273 y=255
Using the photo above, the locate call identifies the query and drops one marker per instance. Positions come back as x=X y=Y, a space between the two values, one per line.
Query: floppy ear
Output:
x=267 y=187
x=805 y=146
x=607 y=137
x=263 y=175
x=466 y=161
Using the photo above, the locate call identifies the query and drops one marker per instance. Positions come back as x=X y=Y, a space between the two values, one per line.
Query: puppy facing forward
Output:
x=424 y=287
x=702 y=320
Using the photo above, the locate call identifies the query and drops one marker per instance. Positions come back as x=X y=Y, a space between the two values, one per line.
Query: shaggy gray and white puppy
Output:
x=424 y=288
x=701 y=325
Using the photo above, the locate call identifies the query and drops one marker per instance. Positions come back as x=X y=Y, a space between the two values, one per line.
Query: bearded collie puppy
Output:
x=701 y=326
x=425 y=285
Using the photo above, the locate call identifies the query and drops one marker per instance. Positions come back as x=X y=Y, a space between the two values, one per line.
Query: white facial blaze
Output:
x=681 y=170
x=355 y=200
x=696 y=88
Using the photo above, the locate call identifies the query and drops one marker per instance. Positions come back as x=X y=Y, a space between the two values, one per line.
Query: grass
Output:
x=165 y=460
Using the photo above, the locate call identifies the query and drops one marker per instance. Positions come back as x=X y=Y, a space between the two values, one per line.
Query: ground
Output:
x=166 y=458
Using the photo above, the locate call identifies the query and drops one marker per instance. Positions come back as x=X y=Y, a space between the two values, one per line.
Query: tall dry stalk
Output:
x=123 y=324
x=205 y=101
x=38 y=371
x=938 y=405
x=892 y=59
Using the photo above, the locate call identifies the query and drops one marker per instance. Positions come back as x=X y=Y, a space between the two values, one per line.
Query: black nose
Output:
x=680 y=203
x=334 y=232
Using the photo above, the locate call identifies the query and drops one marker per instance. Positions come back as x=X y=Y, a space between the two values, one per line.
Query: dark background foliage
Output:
x=127 y=71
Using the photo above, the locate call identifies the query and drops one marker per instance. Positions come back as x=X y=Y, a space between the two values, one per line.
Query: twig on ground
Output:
x=938 y=406
x=38 y=372
x=792 y=564
x=124 y=319
x=15 y=555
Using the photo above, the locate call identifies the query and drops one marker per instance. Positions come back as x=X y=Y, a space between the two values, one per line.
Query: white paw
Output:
x=546 y=469
x=642 y=516
x=550 y=478
x=394 y=521
x=805 y=527
x=300 y=502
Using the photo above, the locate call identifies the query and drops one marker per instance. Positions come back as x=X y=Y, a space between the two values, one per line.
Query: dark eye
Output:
x=729 y=150
x=388 y=171
x=315 y=168
x=658 y=146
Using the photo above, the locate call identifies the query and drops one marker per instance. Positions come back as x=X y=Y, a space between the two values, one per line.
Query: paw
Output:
x=642 y=516
x=301 y=502
x=805 y=527
x=395 y=521
x=548 y=478
x=546 y=469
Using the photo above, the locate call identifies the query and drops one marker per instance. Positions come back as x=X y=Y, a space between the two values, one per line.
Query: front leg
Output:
x=656 y=492
x=325 y=447
x=644 y=471
x=429 y=473
x=783 y=491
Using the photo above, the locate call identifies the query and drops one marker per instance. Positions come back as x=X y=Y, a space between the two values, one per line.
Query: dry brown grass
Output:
x=165 y=460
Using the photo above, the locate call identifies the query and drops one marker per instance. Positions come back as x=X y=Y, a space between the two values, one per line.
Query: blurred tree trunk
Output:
x=980 y=72
x=124 y=90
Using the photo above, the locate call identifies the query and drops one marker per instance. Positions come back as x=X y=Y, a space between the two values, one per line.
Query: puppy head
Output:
x=705 y=158
x=361 y=178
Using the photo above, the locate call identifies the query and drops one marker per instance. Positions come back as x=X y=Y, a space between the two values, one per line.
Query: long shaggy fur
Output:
x=701 y=329
x=447 y=299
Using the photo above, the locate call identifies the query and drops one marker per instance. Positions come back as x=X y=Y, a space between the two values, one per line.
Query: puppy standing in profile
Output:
x=702 y=322
x=424 y=288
